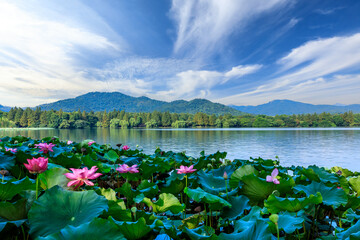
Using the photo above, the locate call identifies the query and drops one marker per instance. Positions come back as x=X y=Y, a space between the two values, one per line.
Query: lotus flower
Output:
x=124 y=168
x=273 y=178
x=91 y=143
x=81 y=176
x=185 y=170
x=69 y=142
x=37 y=165
x=125 y=148
x=13 y=150
x=45 y=147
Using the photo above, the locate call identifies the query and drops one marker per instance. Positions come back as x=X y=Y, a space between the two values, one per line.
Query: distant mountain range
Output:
x=100 y=101
x=4 y=108
x=278 y=107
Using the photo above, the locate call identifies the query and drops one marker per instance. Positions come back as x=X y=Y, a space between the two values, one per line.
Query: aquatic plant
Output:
x=208 y=197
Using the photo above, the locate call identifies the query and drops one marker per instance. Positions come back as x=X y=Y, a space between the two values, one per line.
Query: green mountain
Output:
x=278 y=107
x=100 y=101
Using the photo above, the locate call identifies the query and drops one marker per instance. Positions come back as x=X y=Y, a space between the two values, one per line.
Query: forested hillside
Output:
x=18 y=117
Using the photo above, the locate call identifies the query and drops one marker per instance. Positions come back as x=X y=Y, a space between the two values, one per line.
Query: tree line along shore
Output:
x=22 y=118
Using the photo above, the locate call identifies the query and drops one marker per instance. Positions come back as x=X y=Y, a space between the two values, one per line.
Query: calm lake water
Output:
x=323 y=147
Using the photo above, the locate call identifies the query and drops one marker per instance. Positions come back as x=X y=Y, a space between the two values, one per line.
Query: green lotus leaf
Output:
x=132 y=160
x=276 y=204
x=109 y=193
x=288 y=222
x=175 y=184
x=64 y=208
x=111 y=155
x=13 y=211
x=133 y=230
x=257 y=189
x=193 y=221
x=332 y=196
x=94 y=230
x=10 y=188
x=89 y=162
x=355 y=184
x=351 y=215
x=52 y=177
x=4 y=222
x=239 y=173
x=7 y=162
x=239 y=204
x=200 y=233
x=148 y=189
x=258 y=229
x=199 y=195
x=350 y=233
x=127 y=191
x=212 y=184
x=166 y=202
x=343 y=171
x=318 y=174
x=219 y=172
x=67 y=160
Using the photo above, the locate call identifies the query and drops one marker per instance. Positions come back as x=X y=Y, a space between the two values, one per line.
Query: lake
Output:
x=305 y=146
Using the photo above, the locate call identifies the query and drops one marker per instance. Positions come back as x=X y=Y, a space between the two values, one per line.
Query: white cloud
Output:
x=37 y=56
x=313 y=67
x=205 y=25
x=199 y=84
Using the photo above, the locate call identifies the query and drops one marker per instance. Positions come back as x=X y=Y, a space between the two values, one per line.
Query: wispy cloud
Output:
x=37 y=55
x=328 y=11
x=203 y=26
x=314 y=69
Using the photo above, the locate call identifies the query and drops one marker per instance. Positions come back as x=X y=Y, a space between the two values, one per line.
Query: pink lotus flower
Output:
x=37 y=165
x=225 y=176
x=45 y=147
x=69 y=142
x=125 y=148
x=185 y=170
x=91 y=143
x=273 y=178
x=13 y=150
x=124 y=168
x=81 y=176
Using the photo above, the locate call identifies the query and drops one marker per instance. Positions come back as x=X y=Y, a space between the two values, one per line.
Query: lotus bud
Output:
x=133 y=209
x=83 y=150
x=29 y=145
x=118 y=145
x=137 y=145
x=274 y=218
x=16 y=142
x=225 y=176
x=209 y=165
x=339 y=172
x=213 y=160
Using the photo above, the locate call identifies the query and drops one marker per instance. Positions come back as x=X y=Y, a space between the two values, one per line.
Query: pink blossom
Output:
x=273 y=178
x=45 y=147
x=125 y=147
x=91 y=143
x=124 y=168
x=13 y=150
x=225 y=176
x=81 y=176
x=185 y=170
x=37 y=165
x=69 y=142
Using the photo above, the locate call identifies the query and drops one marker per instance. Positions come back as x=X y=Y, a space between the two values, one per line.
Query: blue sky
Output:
x=230 y=51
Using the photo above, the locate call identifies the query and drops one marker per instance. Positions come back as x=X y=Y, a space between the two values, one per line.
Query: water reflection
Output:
x=325 y=147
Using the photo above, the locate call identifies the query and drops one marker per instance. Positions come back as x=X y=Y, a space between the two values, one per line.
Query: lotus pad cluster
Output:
x=91 y=191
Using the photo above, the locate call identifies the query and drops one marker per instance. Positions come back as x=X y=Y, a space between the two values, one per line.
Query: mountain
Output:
x=100 y=101
x=278 y=107
x=4 y=108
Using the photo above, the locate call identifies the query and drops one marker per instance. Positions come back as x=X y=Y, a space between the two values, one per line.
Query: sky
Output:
x=236 y=52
